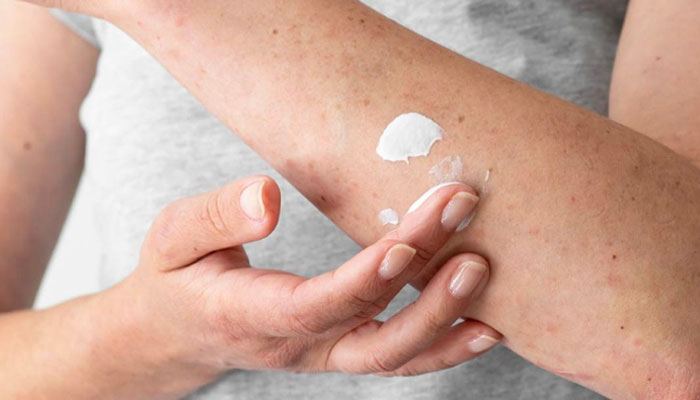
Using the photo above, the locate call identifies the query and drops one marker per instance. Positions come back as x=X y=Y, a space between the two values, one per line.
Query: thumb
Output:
x=240 y=212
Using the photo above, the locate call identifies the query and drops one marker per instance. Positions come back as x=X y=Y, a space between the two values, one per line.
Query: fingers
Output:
x=433 y=222
x=461 y=343
x=353 y=290
x=375 y=347
x=238 y=213
x=362 y=287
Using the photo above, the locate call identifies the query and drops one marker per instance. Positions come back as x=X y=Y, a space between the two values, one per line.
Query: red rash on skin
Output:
x=614 y=280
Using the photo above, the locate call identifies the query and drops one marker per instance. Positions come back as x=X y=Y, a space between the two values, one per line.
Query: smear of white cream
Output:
x=409 y=135
x=448 y=170
x=427 y=195
x=389 y=216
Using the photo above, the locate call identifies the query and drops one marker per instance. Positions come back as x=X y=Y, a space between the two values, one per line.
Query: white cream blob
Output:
x=409 y=135
x=448 y=170
x=416 y=204
x=389 y=217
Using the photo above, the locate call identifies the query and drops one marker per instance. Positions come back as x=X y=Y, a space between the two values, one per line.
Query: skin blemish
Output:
x=460 y=119
x=614 y=256
x=275 y=31
x=622 y=327
x=323 y=199
x=362 y=21
x=27 y=146
x=351 y=19
x=572 y=199
x=366 y=102
x=658 y=58
x=179 y=21
x=614 y=280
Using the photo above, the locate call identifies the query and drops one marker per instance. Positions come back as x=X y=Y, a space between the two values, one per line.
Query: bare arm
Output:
x=592 y=228
x=47 y=72
x=656 y=84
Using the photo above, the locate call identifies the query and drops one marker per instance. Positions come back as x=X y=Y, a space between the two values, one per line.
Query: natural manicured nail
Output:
x=396 y=260
x=466 y=279
x=482 y=343
x=457 y=210
x=251 y=201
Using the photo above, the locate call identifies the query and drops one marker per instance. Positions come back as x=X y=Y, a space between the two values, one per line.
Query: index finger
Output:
x=357 y=291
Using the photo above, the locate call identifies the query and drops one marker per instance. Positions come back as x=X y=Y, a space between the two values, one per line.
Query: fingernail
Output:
x=396 y=260
x=251 y=201
x=467 y=278
x=482 y=343
x=458 y=210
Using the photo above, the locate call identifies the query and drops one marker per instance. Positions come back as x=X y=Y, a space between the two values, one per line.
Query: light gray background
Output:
x=73 y=267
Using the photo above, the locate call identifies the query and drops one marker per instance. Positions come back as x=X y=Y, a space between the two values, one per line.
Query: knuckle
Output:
x=433 y=322
x=304 y=324
x=213 y=214
x=380 y=362
x=423 y=255
x=372 y=309
x=357 y=301
x=164 y=228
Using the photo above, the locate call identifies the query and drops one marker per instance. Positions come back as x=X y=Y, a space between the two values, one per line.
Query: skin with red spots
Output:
x=544 y=149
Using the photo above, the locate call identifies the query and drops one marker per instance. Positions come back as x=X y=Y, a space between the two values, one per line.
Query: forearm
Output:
x=41 y=142
x=91 y=347
x=583 y=218
x=656 y=84
x=50 y=353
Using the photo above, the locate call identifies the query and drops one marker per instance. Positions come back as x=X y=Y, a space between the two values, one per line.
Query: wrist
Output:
x=133 y=344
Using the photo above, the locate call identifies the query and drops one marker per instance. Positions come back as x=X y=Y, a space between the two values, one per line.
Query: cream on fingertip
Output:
x=416 y=204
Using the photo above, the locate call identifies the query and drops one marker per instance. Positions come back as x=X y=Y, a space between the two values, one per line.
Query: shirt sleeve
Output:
x=81 y=24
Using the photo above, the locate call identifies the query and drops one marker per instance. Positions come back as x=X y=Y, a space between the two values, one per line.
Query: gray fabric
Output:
x=80 y=24
x=150 y=142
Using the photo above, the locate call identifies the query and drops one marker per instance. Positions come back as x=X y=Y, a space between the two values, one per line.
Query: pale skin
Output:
x=597 y=281
x=657 y=74
x=194 y=308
